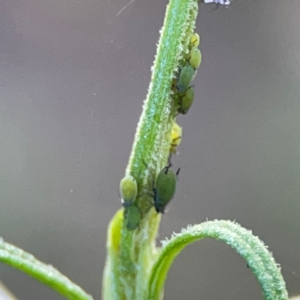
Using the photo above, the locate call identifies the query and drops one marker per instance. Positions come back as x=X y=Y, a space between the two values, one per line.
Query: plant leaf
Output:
x=252 y=250
x=27 y=263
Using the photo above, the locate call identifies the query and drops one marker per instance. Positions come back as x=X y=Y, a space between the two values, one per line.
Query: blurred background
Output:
x=73 y=78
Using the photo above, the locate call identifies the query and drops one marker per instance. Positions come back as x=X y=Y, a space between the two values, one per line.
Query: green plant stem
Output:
x=135 y=268
x=150 y=153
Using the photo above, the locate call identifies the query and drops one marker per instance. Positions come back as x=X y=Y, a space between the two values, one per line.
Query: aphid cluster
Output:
x=164 y=184
x=163 y=190
x=184 y=90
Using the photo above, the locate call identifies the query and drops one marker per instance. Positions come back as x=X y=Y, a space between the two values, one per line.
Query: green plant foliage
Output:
x=135 y=268
x=253 y=251
x=138 y=268
x=27 y=263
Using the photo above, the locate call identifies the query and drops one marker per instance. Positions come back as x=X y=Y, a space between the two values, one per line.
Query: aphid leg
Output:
x=169 y=158
x=168 y=167
x=177 y=171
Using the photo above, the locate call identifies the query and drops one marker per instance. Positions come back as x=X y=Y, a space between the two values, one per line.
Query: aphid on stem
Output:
x=164 y=188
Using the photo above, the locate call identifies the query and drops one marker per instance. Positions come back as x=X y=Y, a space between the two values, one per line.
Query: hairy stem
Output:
x=150 y=152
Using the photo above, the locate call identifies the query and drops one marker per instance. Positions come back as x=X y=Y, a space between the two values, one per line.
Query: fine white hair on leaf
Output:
x=124 y=7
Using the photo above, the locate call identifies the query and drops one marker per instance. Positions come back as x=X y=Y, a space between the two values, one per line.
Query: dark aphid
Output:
x=186 y=76
x=164 y=189
x=185 y=102
x=128 y=190
x=133 y=216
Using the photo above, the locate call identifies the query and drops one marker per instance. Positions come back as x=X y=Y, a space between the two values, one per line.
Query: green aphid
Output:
x=128 y=190
x=186 y=76
x=185 y=102
x=195 y=40
x=132 y=213
x=133 y=216
x=195 y=58
x=164 y=189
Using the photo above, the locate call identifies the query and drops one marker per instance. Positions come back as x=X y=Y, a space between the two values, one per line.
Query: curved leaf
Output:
x=27 y=263
x=254 y=252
